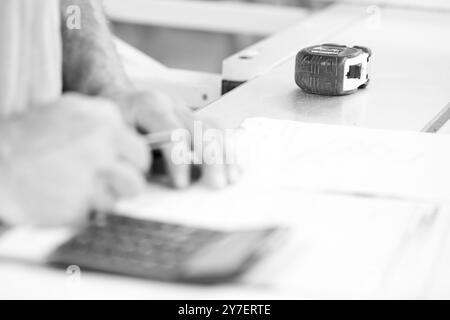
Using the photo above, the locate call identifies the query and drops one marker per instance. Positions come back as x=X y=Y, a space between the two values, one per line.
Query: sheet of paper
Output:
x=327 y=158
x=338 y=246
x=363 y=205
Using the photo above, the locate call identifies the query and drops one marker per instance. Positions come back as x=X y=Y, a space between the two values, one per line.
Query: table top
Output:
x=410 y=78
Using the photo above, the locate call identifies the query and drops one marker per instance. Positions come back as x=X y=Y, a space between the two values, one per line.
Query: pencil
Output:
x=157 y=140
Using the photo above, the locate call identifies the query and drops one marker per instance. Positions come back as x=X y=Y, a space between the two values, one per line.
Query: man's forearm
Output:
x=90 y=61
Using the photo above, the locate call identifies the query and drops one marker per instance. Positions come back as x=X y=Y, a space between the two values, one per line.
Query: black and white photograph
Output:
x=214 y=157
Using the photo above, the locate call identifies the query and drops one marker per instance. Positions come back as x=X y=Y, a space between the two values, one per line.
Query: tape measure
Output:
x=332 y=69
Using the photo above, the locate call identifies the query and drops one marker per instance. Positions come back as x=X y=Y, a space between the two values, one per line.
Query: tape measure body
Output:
x=332 y=69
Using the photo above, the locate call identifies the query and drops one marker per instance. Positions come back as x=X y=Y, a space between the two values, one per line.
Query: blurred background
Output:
x=198 y=34
x=201 y=41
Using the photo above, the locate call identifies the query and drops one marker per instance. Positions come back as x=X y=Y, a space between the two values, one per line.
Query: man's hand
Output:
x=92 y=67
x=57 y=163
x=159 y=112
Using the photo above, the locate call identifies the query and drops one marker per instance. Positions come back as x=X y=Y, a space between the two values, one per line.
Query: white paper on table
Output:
x=329 y=158
x=340 y=245
x=306 y=176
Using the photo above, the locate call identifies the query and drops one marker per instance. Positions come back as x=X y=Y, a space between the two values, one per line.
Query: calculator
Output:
x=165 y=251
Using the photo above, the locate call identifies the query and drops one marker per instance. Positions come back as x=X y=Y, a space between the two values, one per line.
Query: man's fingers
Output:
x=133 y=149
x=234 y=173
x=161 y=113
x=154 y=118
x=103 y=199
x=123 y=180
x=219 y=168
x=176 y=158
x=214 y=176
